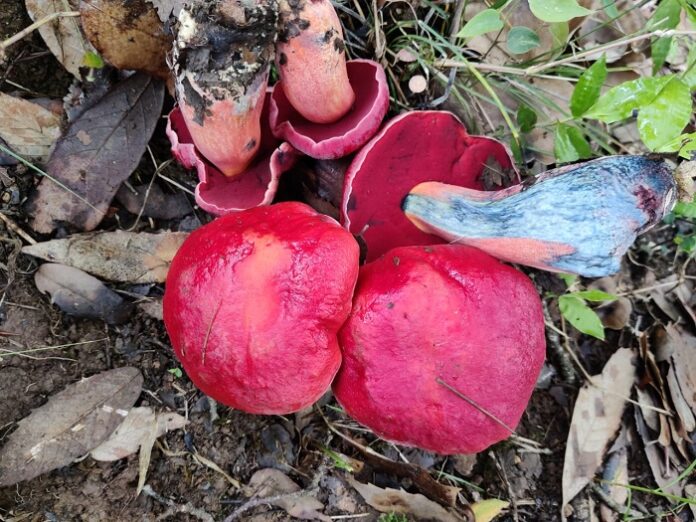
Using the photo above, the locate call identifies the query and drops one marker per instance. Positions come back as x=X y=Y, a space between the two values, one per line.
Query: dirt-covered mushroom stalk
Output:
x=311 y=60
x=221 y=61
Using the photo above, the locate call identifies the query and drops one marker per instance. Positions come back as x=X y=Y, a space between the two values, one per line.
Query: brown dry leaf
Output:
x=153 y=308
x=269 y=482
x=129 y=35
x=390 y=500
x=63 y=35
x=665 y=463
x=157 y=204
x=686 y=416
x=78 y=293
x=167 y=8
x=596 y=419
x=69 y=425
x=126 y=257
x=28 y=129
x=682 y=347
x=100 y=149
x=134 y=431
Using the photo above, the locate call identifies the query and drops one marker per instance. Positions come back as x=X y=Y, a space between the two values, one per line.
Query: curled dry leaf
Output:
x=28 y=129
x=100 y=149
x=69 y=425
x=388 y=500
x=269 y=482
x=134 y=431
x=78 y=293
x=156 y=204
x=682 y=347
x=62 y=35
x=167 y=8
x=596 y=419
x=126 y=257
x=129 y=35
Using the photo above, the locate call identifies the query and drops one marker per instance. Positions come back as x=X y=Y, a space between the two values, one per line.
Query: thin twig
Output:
x=30 y=29
x=177 y=508
x=15 y=228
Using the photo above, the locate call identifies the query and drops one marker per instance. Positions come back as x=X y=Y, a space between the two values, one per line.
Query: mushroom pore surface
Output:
x=253 y=303
x=438 y=335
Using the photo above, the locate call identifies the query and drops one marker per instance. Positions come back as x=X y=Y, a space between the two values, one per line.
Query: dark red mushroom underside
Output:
x=219 y=194
x=410 y=149
x=348 y=134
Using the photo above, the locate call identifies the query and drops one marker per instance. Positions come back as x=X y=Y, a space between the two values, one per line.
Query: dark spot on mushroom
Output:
x=199 y=103
x=328 y=34
x=647 y=202
x=390 y=305
x=283 y=59
x=303 y=24
x=339 y=45
x=396 y=261
x=250 y=144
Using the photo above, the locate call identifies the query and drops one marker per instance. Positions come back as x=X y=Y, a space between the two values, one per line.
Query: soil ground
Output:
x=237 y=443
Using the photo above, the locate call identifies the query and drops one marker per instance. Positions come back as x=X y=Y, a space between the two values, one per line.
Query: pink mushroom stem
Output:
x=222 y=59
x=311 y=58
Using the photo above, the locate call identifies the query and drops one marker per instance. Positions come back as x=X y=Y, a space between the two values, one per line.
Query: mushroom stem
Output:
x=311 y=59
x=579 y=219
x=222 y=59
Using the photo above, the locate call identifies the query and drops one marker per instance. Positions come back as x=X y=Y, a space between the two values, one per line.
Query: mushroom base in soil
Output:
x=253 y=303
x=442 y=348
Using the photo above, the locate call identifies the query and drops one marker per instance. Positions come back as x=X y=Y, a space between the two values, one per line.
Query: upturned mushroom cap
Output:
x=311 y=60
x=253 y=302
x=221 y=62
x=442 y=348
x=219 y=194
x=345 y=135
x=412 y=148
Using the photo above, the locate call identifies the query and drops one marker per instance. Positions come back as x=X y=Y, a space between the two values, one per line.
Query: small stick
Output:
x=15 y=228
x=30 y=29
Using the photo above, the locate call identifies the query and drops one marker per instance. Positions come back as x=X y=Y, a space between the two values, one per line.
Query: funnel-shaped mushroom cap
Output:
x=442 y=349
x=219 y=194
x=253 y=303
x=412 y=148
x=347 y=134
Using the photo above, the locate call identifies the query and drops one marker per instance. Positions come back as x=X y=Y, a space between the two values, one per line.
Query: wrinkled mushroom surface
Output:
x=442 y=348
x=253 y=302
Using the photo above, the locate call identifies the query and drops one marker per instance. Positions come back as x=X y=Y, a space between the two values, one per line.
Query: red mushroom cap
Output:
x=220 y=194
x=349 y=133
x=253 y=303
x=410 y=149
x=437 y=336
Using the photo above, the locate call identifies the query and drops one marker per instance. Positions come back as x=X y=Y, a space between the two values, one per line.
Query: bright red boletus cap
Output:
x=438 y=335
x=412 y=148
x=348 y=133
x=253 y=303
x=220 y=194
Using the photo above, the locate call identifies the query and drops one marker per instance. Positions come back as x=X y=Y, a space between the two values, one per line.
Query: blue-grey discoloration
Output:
x=593 y=212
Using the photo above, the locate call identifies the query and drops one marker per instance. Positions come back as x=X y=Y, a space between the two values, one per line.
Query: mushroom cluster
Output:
x=267 y=307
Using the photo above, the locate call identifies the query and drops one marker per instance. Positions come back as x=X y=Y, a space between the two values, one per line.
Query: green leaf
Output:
x=93 y=60
x=569 y=279
x=619 y=102
x=484 y=22
x=526 y=118
x=595 y=295
x=659 y=51
x=685 y=144
x=610 y=8
x=588 y=88
x=521 y=40
x=176 y=372
x=487 y=510
x=689 y=75
x=666 y=16
x=685 y=210
x=570 y=144
x=581 y=316
x=665 y=117
x=557 y=10
x=559 y=35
